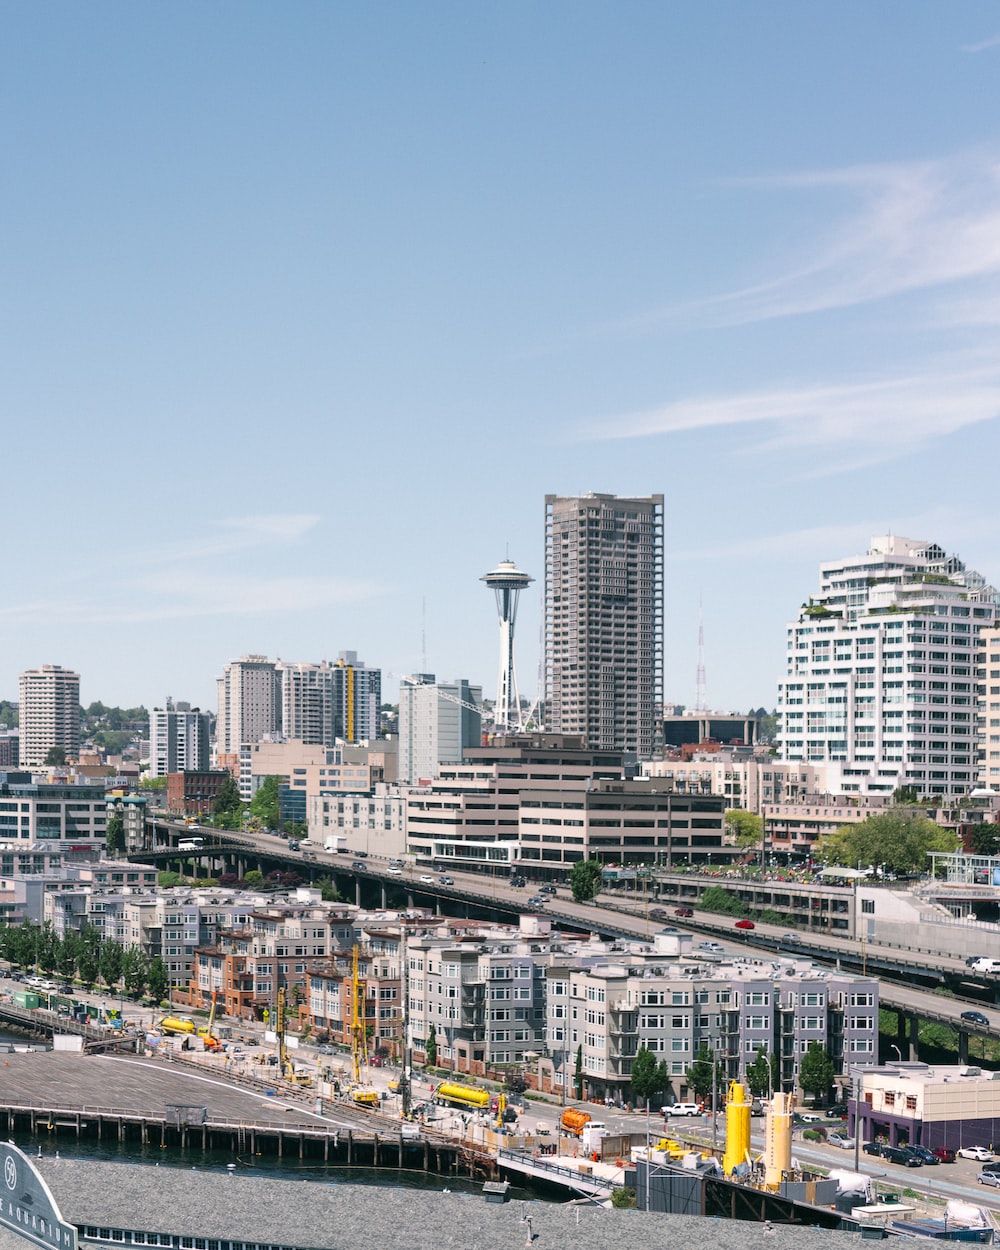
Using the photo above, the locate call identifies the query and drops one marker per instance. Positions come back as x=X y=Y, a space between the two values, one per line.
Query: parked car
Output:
x=975 y=1017
x=837 y=1112
x=900 y=1154
x=808 y=1117
x=979 y=1153
x=683 y=911
x=745 y=924
x=682 y=1108
x=944 y=1154
x=872 y=1147
x=923 y=1154
x=841 y=1140
x=989 y=1178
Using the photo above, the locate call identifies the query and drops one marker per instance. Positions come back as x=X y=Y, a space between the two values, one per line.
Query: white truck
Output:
x=335 y=843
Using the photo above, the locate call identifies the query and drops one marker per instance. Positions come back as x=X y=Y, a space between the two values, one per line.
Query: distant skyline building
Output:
x=179 y=739
x=357 y=698
x=437 y=722
x=249 y=703
x=603 y=620
x=881 y=676
x=49 y=714
x=507 y=581
x=308 y=699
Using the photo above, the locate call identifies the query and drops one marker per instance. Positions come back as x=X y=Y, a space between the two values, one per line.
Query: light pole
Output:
x=899 y=1056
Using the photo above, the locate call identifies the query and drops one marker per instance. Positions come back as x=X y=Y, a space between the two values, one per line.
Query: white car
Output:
x=841 y=1140
x=427 y=880
x=394 y=872
x=979 y=1153
x=682 y=1108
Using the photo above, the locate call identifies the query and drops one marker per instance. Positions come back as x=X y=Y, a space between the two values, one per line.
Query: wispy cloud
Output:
x=238 y=534
x=993 y=42
x=866 y=421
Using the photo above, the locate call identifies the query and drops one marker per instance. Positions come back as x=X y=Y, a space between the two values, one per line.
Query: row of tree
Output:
x=87 y=957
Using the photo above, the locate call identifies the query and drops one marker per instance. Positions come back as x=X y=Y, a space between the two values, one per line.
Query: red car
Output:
x=744 y=924
x=683 y=911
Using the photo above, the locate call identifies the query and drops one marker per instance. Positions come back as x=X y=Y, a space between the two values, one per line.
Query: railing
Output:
x=572 y=1175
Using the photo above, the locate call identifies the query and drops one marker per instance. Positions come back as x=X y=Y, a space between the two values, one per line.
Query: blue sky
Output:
x=304 y=308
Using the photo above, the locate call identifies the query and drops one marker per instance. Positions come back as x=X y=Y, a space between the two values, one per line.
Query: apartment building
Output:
x=249 y=703
x=180 y=738
x=880 y=681
x=68 y=815
x=438 y=721
x=49 y=714
x=603 y=622
x=988 y=718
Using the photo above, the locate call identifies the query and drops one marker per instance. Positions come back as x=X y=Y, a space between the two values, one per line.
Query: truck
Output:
x=462 y=1096
x=572 y=1121
x=335 y=843
x=178 y=1025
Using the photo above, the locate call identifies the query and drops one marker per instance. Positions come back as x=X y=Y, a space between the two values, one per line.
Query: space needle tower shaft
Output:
x=507 y=581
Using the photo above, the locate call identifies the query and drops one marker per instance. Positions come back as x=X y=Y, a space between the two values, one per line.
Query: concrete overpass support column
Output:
x=963 y=1046
x=902 y=1021
x=357 y=891
x=913 y=1040
x=385 y=901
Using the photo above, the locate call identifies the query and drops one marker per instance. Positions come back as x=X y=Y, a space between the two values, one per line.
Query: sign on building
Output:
x=26 y=1205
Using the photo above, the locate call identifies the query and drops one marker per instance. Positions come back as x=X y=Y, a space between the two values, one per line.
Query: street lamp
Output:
x=899 y=1056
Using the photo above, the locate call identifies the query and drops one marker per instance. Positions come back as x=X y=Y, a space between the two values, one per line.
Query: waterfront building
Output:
x=880 y=681
x=179 y=739
x=438 y=720
x=603 y=620
x=249 y=707
x=49 y=714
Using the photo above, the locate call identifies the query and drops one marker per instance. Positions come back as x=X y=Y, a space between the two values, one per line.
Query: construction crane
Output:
x=361 y=1092
x=443 y=694
x=284 y=1063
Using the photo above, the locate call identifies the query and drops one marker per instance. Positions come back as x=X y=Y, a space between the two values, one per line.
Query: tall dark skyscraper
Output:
x=604 y=619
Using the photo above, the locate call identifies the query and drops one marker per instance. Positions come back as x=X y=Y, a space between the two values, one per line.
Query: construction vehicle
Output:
x=362 y=1093
x=285 y=1064
x=572 y=1121
x=204 y=1031
x=177 y=1025
x=450 y=1094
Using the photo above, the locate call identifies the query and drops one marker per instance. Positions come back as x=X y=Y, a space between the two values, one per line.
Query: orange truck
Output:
x=572 y=1121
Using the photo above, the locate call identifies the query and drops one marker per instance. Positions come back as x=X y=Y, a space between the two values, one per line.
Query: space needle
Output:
x=507 y=581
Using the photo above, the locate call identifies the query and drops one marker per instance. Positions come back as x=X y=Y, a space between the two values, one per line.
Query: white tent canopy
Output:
x=847 y=874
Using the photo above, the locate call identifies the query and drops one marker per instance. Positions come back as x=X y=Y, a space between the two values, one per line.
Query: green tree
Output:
x=716 y=899
x=585 y=879
x=88 y=955
x=66 y=960
x=254 y=879
x=746 y=828
x=648 y=1076
x=578 y=1074
x=157 y=981
x=816 y=1072
x=110 y=962
x=55 y=758
x=431 y=1049
x=983 y=839
x=898 y=840
x=114 y=837
x=328 y=891
x=227 y=806
x=759 y=1074
x=699 y=1075
x=264 y=804
x=135 y=970
x=905 y=794
x=47 y=948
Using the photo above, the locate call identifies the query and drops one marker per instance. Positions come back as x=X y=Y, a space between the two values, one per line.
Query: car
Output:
x=357 y=864
x=979 y=1153
x=546 y=889
x=745 y=924
x=872 y=1147
x=989 y=1178
x=683 y=911
x=293 y=845
x=709 y=946
x=789 y=937
x=657 y=913
x=427 y=880
x=944 y=1154
x=518 y=881
x=808 y=1117
x=923 y=1154
x=841 y=1140
x=900 y=1154
x=682 y=1108
x=838 y=1111
x=361 y=854
x=975 y=1017
x=394 y=872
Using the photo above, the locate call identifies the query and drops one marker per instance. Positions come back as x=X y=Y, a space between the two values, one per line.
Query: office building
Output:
x=64 y=815
x=49 y=714
x=603 y=666
x=179 y=739
x=437 y=721
x=880 y=680
x=249 y=703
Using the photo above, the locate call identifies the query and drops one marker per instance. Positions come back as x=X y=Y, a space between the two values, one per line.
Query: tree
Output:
x=431 y=1049
x=585 y=879
x=227 y=806
x=816 y=1072
x=88 y=953
x=699 y=1075
x=157 y=981
x=983 y=839
x=135 y=970
x=746 y=828
x=264 y=804
x=898 y=840
x=110 y=962
x=715 y=898
x=905 y=794
x=47 y=948
x=648 y=1076
x=759 y=1074
x=55 y=758
x=114 y=837
x=254 y=879
x=578 y=1074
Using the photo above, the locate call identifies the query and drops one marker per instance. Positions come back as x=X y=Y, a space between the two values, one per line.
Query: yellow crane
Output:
x=285 y=1064
x=361 y=1092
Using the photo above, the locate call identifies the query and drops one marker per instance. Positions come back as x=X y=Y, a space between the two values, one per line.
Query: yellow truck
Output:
x=177 y=1025
x=462 y=1096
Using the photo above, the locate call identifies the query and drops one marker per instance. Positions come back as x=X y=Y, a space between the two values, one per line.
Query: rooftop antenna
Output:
x=423 y=634
x=700 y=694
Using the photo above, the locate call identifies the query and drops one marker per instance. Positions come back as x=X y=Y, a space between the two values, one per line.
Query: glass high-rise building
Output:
x=604 y=619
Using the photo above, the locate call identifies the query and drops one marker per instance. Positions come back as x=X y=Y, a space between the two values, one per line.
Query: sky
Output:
x=305 y=307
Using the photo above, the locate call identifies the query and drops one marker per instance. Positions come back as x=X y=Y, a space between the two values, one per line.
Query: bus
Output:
x=190 y=844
